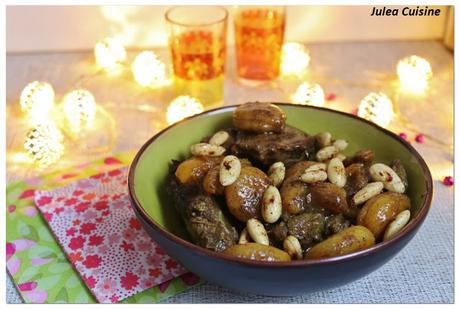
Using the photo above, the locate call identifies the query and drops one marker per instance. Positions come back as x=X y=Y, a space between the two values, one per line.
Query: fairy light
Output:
x=44 y=145
x=182 y=107
x=414 y=73
x=376 y=107
x=109 y=53
x=308 y=94
x=148 y=70
x=37 y=100
x=294 y=59
x=79 y=109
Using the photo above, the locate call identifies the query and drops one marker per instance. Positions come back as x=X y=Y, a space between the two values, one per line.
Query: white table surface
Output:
x=421 y=273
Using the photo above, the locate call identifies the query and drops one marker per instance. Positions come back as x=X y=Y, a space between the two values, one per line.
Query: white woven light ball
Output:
x=44 y=145
x=182 y=107
x=79 y=108
x=376 y=107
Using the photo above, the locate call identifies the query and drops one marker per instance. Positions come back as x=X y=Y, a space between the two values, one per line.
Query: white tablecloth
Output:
x=421 y=273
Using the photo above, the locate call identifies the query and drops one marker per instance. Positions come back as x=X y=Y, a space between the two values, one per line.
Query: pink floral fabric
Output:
x=94 y=223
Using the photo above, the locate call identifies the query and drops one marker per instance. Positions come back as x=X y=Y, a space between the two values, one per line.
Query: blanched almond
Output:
x=257 y=231
x=292 y=246
x=230 y=169
x=397 y=225
x=219 y=138
x=366 y=193
x=384 y=173
x=204 y=149
x=271 y=205
x=314 y=173
x=336 y=172
x=276 y=173
x=340 y=144
x=326 y=153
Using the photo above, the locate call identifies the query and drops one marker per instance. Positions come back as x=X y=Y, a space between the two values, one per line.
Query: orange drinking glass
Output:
x=197 y=40
x=259 y=35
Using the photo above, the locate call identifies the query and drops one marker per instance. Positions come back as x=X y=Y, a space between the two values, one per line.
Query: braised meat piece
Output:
x=364 y=156
x=203 y=218
x=357 y=178
x=277 y=233
x=399 y=169
x=290 y=146
x=336 y=223
x=307 y=228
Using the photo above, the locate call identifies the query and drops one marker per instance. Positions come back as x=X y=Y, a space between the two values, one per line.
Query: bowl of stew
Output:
x=279 y=199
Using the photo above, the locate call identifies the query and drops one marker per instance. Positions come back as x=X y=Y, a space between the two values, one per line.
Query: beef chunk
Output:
x=357 y=178
x=335 y=224
x=307 y=228
x=290 y=146
x=364 y=156
x=203 y=218
x=399 y=169
x=277 y=233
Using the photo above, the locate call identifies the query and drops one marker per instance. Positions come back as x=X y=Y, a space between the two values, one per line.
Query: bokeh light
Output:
x=376 y=107
x=414 y=74
x=148 y=70
x=43 y=144
x=182 y=107
x=295 y=59
x=37 y=100
x=308 y=94
x=79 y=109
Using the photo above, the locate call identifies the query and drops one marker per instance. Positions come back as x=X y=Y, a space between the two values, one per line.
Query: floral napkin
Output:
x=96 y=227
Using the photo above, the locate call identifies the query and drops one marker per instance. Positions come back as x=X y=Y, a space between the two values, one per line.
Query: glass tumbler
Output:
x=259 y=35
x=197 y=40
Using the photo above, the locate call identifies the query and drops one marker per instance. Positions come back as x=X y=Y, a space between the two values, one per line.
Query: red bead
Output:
x=420 y=138
x=448 y=181
x=331 y=97
x=354 y=111
x=403 y=135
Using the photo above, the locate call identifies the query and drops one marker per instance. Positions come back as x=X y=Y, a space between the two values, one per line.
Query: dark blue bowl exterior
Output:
x=275 y=281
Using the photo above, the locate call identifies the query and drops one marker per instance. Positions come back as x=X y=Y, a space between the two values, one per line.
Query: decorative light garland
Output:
x=414 y=73
x=183 y=107
x=295 y=59
x=109 y=53
x=148 y=70
x=308 y=94
x=79 y=106
x=44 y=145
x=37 y=100
x=376 y=107
x=79 y=109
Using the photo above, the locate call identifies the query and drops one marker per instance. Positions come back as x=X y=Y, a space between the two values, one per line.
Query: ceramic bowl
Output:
x=147 y=178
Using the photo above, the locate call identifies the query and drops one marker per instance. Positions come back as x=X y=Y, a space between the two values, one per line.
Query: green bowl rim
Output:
x=412 y=225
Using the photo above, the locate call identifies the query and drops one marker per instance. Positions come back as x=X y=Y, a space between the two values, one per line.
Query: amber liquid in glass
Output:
x=259 y=35
x=198 y=60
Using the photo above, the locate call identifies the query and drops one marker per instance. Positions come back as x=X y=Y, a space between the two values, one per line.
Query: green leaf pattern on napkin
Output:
x=37 y=264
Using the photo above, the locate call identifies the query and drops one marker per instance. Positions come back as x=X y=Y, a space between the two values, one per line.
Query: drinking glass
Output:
x=259 y=35
x=197 y=40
